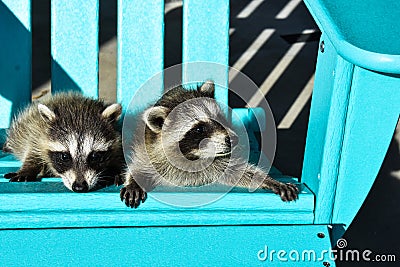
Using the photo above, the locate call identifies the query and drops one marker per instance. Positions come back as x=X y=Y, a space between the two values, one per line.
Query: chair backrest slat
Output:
x=140 y=55
x=74 y=46
x=140 y=50
x=206 y=38
x=15 y=59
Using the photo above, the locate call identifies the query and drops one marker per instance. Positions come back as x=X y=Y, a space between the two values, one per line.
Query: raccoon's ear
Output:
x=46 y=113
x=207 y=88
x=154 y=118
x=112 y=112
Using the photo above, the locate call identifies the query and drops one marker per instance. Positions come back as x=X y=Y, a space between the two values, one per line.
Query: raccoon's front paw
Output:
x=21 y=177
x=133 y=195
x=287 y=192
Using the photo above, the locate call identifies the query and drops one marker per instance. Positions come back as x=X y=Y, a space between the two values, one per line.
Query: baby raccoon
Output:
x=185 y=140
x=70 y=136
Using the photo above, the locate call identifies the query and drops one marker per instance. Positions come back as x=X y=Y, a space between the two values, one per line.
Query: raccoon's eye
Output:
x=97 y=156
x=200 y=129
x=63 y=156
x=61 y=161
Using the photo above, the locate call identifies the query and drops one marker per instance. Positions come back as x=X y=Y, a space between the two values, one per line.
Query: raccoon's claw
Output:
x=6 y=149
x=133 y=195
x=18 y=177
x=287 y=192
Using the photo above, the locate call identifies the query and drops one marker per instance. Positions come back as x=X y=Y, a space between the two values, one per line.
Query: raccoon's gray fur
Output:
x=70 y=136
x=185 y=140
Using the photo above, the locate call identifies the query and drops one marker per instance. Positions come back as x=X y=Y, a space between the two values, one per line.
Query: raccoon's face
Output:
x=82 y=156
x=80 y=162
x=207 y=139
x=196 y=128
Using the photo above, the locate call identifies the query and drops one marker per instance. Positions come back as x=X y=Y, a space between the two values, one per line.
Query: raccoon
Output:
x=69 y=136
x=185 y=140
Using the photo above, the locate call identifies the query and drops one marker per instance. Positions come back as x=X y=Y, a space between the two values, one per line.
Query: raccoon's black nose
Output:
x=80 y=187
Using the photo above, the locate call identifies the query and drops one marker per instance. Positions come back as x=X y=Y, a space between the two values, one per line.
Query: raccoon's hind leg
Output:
x=253 y=176
x=27 y=173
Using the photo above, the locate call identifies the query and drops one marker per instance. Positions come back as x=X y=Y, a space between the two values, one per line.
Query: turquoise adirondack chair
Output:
x=354 y=112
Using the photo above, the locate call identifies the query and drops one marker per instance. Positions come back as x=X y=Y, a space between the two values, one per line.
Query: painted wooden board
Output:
x=168 y=246
x=75 y=46
x=15 y=59
x=206 y=39
x=49 y=204
x=373 y=113
x=326 y=127
x=8 y=163
x=140 y=52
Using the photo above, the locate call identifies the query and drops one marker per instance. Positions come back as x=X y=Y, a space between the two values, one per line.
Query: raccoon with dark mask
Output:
x=69 y=136
x=185 y=140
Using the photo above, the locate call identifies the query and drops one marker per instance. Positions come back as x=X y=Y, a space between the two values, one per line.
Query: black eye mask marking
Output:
x=97 y=159
x=191 y=140
x=61 y=160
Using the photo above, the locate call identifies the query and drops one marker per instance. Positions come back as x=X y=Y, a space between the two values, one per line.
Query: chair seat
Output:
x=49 y=204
